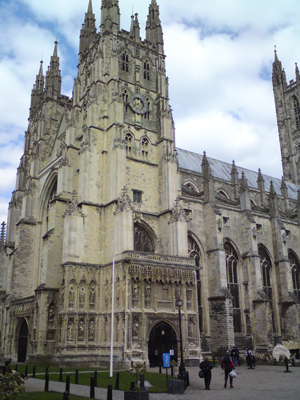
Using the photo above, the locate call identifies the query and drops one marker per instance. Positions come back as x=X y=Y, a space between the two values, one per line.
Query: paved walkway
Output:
x=262 y=383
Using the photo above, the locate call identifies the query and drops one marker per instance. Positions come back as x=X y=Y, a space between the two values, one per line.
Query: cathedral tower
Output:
x=288 y=119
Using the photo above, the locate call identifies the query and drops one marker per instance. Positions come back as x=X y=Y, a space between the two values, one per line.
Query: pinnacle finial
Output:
x=244 y=183
x=275 y=54
x=41 y=68
x=55 y=48
x=90 y=7
x=272 y=190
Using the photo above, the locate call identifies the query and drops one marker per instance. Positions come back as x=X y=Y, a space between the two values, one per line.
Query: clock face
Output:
x=138 y=104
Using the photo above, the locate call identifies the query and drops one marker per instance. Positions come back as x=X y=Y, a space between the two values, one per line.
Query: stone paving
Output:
x=262 y=383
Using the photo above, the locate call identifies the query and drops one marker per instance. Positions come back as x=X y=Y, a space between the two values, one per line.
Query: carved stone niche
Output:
x=135 y=293
x=148 y=295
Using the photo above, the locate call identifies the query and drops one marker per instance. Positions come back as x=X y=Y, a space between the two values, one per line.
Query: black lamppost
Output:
x=182 y=373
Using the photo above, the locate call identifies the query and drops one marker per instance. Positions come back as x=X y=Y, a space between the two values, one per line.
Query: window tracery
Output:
x=142 y=240
x=128 y=143
x=296 y=111
x=295 y=269
x=145 y=144
x=125 y=61
x=125 y=100
x=147 y=70
x=194 y=252
x=265 y=265
x=233 y=283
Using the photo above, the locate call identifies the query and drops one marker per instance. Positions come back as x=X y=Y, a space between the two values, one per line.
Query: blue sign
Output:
x=166 y=360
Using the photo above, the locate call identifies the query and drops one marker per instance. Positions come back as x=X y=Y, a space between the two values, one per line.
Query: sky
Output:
x=219 y=64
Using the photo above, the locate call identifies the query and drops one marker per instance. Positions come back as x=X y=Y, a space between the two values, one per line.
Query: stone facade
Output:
x=102 y=188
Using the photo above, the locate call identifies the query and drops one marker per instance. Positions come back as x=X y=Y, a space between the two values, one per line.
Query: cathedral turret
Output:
x=135 y=27
x=53 y=76
x=88 y=31
x=110 y=16
x=38 y=87
x=153 y=26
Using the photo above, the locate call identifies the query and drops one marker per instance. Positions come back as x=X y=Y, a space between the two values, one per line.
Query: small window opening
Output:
x=128 y=142
x=147 y=70
x=125 y=63
x=137 y=196
x=125 y=100
x=145 y=144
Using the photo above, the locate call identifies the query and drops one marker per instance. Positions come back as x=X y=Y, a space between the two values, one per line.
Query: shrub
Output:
x=11 y=386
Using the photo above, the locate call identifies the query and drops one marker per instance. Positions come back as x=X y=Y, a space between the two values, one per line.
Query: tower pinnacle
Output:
x=88 y=31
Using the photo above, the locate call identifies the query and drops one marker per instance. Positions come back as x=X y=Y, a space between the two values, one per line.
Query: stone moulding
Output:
x=162 y=274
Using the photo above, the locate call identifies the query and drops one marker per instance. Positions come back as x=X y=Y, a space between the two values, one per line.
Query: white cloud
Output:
x=216 y=53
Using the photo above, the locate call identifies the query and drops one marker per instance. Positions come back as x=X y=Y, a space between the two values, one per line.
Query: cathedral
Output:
x=109 y=223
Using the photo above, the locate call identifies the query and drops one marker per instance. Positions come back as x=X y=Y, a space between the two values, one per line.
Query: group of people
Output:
x=228 y=363
x=7 y=370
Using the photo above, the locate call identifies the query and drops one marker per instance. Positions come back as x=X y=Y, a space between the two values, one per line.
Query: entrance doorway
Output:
x=162 y=339
x=23 y=337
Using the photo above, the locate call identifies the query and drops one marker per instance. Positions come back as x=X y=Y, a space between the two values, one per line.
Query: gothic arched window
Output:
x=265 y=265
x=295 y=270
x=233 y=283
x=145 y=144
x=125 y=61
x=296 y=111
x=128 y=143
x=142 y=240
x=125 y=100
x=147 y=70
x=194 y=252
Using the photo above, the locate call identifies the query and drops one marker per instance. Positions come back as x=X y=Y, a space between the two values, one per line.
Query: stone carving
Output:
x=135 y=327
x=177 y=293
x=135 y=291
x=189 y=293
x=161 y=274
x=92 y=330
x=70 y=336
x=191 y=328
x=117 y=328
x=92 y=297
x=82 y=297
x=51 y=316
x=124 y=202
x=105 y=329
x=81 y=330
x=178 y=213
x=71 y=298
x=148 y=295
x=72 y=207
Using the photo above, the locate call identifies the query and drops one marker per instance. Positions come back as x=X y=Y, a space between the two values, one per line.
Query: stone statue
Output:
x=92 y=330
x=82 y=298
x=92 y=297
x=80 y=330
x=71 y=298
x=51 y=316
x=70 y=330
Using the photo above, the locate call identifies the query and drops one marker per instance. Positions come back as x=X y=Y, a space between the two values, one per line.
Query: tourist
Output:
x=234 y=355
x=250 y=358
x=206 y=366
x=228 y=366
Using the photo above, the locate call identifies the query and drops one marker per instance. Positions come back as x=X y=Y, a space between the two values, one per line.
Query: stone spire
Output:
x=244 y=183
x=38 y=87
x=283 y=188
x=110 y=16
x=88 y=31
x=135 y=27
x=153 y=26
x=53 y=76
x=234 y=179
x=297 y=72
x=273 y=200
x=208 y=182
x=278 y=74
x=244 y=194
x=261 y=187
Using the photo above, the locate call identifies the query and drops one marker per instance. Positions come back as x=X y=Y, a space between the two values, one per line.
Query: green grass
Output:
x=46 y=396
x=158 y=381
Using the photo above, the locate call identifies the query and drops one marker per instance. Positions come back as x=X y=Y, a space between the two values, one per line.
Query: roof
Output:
x=220 y=169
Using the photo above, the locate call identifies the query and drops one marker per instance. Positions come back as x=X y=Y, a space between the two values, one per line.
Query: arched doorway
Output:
x=162 y=339
x=23 y=337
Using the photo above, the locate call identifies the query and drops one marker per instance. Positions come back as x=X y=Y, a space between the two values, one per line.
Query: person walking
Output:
x=228 y=366
x=250 y=358
x=206 y=366
x=234 y=356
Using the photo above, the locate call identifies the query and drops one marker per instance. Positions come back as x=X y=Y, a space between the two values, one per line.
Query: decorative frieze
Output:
x=162 y=274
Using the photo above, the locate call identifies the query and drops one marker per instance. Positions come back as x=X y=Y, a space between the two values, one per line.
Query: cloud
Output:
x=219 y=60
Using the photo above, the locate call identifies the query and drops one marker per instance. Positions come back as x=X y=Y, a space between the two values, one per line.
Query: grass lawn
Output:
x=46 y=396
x=158 y=381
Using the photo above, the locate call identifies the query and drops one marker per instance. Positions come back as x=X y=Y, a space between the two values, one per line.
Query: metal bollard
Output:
x=172 y=370
x=132 y=385
x=275 y=361
x=109 y=392
x=118 y=381
x=33 y=371
x=26 y=370
x=47 y=370
x=92 y=388
x=60 y=375
x=95 y=379
x=286 y=365
x=76 y=377
x=142 y=381
x=187 y=378
x=68 y=383
x=46 y=382
x=66 y=396
x=160 y=368
x=214 y=360
x=16 y=367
